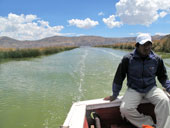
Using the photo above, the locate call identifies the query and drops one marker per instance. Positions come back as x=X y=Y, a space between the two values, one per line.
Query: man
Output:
x=141 y=67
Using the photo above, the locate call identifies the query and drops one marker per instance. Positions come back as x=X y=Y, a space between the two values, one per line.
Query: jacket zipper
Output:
x=142 y=74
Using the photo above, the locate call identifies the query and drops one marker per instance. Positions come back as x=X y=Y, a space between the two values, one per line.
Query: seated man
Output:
x=141 y=67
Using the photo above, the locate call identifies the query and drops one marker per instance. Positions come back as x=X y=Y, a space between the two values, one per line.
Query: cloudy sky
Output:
x=37 y=19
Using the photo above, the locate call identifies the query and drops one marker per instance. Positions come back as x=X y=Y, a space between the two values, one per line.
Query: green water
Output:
x=38 y=93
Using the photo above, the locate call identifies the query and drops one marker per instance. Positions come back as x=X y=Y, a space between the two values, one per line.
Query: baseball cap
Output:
x=143 y=38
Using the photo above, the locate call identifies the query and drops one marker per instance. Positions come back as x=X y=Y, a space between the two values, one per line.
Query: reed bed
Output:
x=6 y=53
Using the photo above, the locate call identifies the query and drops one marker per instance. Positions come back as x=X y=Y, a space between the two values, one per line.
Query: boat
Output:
x=99 y=113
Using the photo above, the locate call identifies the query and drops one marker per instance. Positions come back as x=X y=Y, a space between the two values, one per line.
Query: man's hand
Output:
x=110 y=98
x=165 y=90
x=167 y=93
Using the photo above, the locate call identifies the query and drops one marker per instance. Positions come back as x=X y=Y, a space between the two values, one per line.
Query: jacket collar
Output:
x=137 y=55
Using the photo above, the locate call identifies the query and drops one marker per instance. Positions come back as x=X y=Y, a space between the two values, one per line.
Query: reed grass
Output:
x=6 y=53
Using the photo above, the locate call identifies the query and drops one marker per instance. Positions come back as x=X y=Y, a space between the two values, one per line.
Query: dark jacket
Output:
x=140 y=73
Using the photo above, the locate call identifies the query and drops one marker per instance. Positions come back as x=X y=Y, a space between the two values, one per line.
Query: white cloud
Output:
x=161 y=34
x=26 y=27
x=132 y=34
x=111 y=22
x=87 y=23
x=162 y=14
x=44 y=23
x=143 y=12
x=101 y=14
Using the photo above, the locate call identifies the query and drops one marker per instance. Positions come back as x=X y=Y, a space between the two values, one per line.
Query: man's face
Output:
x=145 y=48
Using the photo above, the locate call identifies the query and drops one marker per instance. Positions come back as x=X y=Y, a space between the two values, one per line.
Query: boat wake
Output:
x=79 y=75
x=111 y=53
x=82 y=74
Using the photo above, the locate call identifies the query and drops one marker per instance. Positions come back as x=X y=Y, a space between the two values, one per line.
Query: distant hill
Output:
x=6 y=42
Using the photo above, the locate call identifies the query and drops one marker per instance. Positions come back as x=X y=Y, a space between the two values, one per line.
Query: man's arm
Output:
x=119 y=78
x=162 y=75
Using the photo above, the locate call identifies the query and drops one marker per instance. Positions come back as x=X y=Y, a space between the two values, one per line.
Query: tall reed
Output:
x=31 y=52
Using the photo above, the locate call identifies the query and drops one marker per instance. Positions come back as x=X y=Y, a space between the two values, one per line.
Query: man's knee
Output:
x=126 y=110
x=164 y=100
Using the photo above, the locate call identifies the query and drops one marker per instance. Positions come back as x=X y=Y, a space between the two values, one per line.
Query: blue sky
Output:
x=37 y=19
